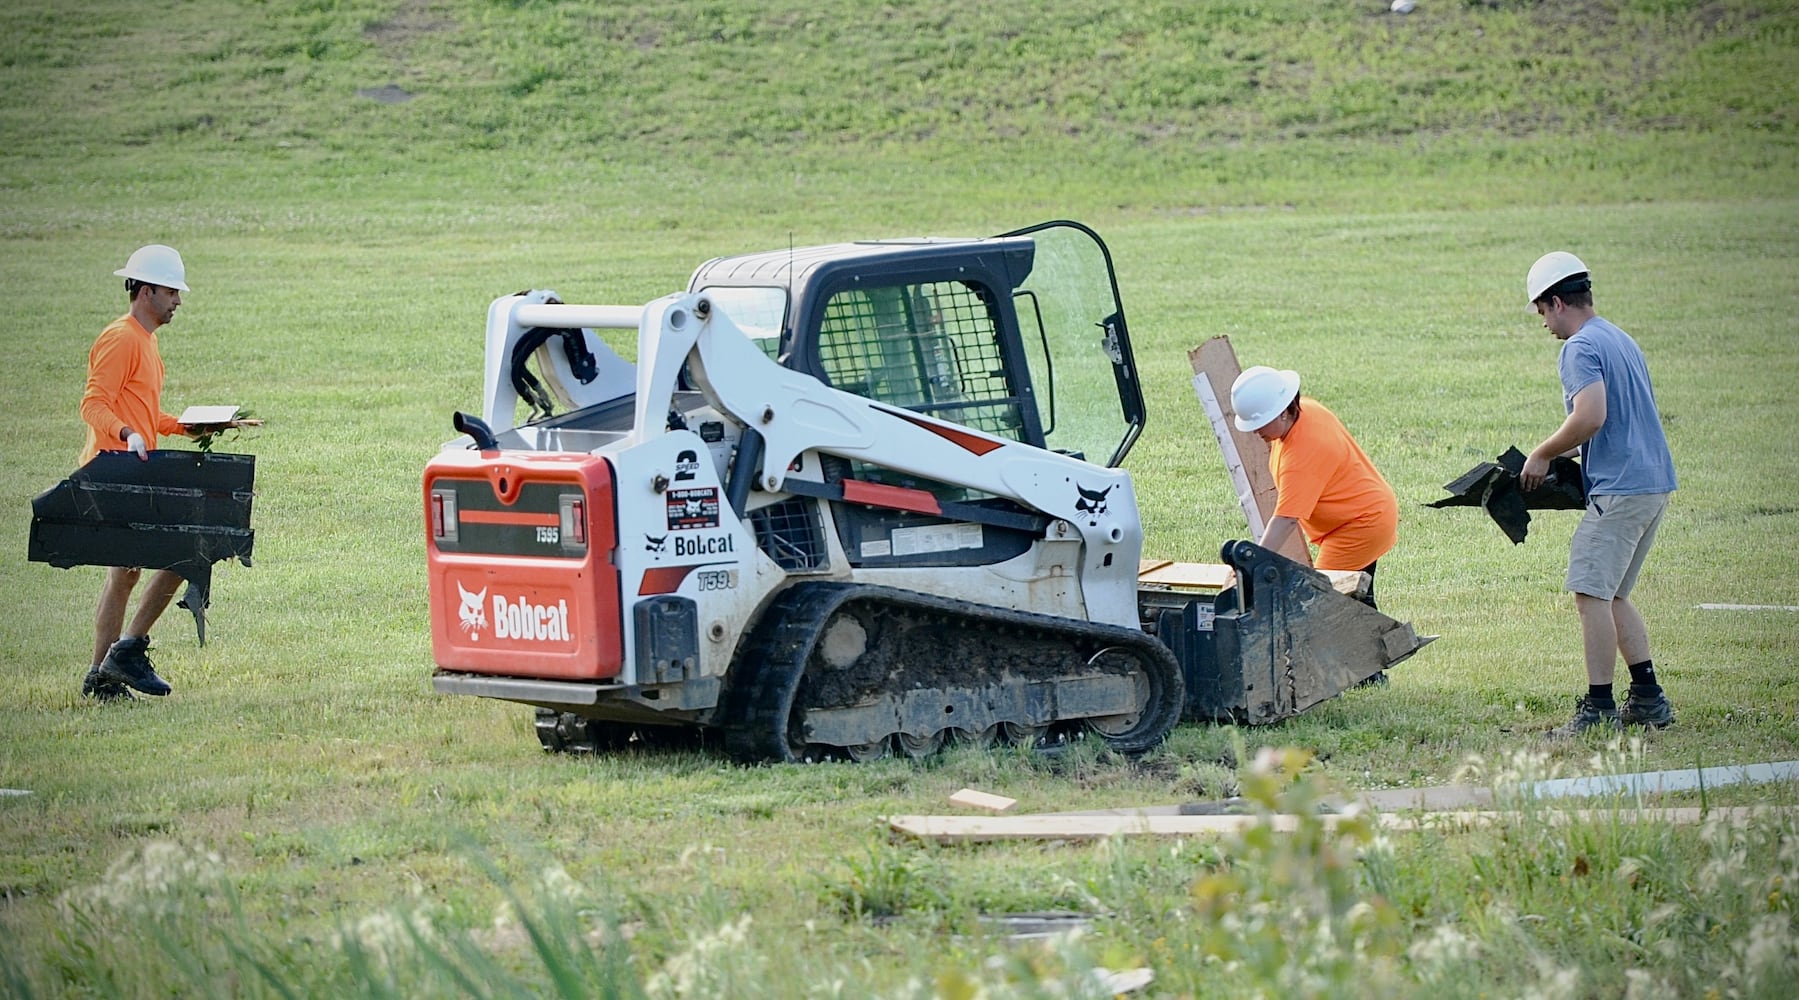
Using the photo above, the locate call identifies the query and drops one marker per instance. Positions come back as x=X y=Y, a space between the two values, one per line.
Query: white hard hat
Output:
x=1260 y=394
x=1550 y=270
x=156 y=264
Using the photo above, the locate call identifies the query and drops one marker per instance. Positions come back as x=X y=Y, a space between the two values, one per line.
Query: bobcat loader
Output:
x=849 y=500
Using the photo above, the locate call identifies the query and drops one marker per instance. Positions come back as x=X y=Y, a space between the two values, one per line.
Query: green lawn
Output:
x=1339 y=190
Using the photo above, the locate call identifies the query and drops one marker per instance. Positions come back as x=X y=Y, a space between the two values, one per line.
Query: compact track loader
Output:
x=850 y=500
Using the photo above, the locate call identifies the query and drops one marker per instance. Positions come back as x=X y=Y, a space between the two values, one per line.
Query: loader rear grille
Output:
x=789 y=533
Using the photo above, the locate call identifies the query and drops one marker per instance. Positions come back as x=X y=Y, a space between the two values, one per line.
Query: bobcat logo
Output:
x=1092 y=502
x=473 y=618
x=655 y=543
x=694 y=507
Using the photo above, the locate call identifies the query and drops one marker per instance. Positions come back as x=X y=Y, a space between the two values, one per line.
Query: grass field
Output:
x=1340 y=190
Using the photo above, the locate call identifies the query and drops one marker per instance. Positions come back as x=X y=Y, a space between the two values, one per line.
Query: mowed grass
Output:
x=1338 y=190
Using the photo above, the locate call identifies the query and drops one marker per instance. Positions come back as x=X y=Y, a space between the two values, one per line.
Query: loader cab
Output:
x=1021 y=335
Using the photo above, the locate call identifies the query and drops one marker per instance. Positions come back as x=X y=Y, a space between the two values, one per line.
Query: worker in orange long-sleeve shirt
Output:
x=122 y=408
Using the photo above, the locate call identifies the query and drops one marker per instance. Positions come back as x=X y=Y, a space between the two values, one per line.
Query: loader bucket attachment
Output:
x=1279 y=642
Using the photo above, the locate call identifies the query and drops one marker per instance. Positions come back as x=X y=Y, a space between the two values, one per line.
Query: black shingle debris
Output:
x=1494 y=487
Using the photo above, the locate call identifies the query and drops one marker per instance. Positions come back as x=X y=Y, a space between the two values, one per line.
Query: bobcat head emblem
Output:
x=1092 y=502
x=473 y=618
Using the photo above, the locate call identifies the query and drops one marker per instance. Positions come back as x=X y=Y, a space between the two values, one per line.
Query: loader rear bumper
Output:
x=662 y=703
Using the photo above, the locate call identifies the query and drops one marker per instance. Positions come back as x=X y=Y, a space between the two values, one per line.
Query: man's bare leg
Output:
x=1599 y=637
x=1633 y=635
x=157 y=595
x=115 y=594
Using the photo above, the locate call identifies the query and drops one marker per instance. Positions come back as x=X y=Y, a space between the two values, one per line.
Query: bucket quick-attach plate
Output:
x=181 y=511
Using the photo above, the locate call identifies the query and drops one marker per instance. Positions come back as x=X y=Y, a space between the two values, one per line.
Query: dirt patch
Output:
x=414 y=19
x=389 y=94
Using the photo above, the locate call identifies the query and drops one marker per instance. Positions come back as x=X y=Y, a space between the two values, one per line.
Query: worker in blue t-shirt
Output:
x=1629 y=473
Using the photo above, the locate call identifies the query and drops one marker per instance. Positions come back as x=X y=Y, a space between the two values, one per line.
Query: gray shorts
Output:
x=1609 y=545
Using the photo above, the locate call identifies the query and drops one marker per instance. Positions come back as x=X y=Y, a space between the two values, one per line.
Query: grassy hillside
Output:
x=1342 y=190
x=1176 y=105
x=711 y=77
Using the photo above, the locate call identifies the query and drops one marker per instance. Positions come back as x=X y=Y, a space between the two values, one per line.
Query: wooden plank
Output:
x=952 y=829
x=1187 y=576
x=1214 y=577
x=982 y=800
x=1215 y=367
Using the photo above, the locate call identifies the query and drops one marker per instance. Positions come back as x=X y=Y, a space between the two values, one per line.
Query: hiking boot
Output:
x=128 y=662
x=1587 y=716
x=1650 y=710
x=96 y=686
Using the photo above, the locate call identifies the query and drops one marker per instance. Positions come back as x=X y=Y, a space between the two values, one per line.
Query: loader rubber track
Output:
x=871 y=665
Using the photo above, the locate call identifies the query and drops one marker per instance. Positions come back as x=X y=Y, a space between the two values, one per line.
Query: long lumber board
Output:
x=1245 y=454
x=1213 y=577
x=953 y=829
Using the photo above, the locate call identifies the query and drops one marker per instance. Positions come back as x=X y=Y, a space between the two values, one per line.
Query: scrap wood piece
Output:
x=949 y=829
x=1749 y=607
x=982 y=800
x=952 y=829
x=1215 y=367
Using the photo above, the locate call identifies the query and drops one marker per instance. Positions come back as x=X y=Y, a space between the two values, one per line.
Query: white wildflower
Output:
x=157 y=879
x=1770 y=952
x=1639 y=984
x=708 y=965
x=388 y=934
x=1445 y=948
x=1553 y=983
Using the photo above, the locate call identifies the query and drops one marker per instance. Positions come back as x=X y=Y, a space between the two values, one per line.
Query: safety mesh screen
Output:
x=931 y=347
x=789 y=533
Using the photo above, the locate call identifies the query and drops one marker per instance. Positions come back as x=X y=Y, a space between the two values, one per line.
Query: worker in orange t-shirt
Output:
x=1324 y=483
x=122 y=408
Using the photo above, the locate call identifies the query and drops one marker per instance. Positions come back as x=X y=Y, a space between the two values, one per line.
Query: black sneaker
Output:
x=1587 y=716
x=128 y=662
x=96 y=686
x=1650 y=710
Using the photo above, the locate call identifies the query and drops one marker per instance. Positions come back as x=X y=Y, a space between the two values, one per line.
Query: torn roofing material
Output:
x=176 y=510
x=1495 y=488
